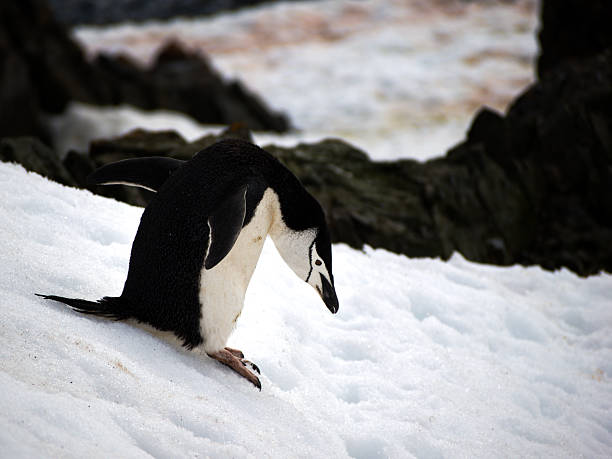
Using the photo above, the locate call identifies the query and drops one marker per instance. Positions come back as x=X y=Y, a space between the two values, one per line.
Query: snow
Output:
x=424 y=359
x=81 y=123
x=395 y=78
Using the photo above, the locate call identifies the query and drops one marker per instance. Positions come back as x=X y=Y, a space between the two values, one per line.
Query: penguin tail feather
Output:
x=109 y=307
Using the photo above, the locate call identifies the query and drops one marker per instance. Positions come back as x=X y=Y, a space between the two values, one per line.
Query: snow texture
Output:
x=425 y=358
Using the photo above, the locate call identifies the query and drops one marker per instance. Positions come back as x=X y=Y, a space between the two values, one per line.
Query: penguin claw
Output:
x=251 y=364
x=240 y=355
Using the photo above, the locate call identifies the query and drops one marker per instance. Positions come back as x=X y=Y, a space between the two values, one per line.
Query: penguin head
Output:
x=301 y=235
x=308 y=254
x=320 y=274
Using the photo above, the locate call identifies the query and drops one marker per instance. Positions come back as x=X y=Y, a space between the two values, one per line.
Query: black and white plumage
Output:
x=200 y=237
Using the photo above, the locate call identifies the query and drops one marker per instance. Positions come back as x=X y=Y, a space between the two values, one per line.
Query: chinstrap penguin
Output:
x=199 y=240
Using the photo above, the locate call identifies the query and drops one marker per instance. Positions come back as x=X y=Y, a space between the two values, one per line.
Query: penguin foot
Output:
x=235 y=352
x=237 y=364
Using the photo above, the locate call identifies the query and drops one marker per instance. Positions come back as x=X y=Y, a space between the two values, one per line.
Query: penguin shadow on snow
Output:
x=199 y=240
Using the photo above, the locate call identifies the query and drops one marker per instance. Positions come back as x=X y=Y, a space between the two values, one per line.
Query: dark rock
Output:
x=138 y=142
x=74 y=12
x=42 y=69
x=34 y=52
x=487 y=128
x=379 y=204
x=35 y=156
x=79 y=166
x=464 y=202
x=573 y=30
x=235 y=131
x=20 y=114
x=558 y=153
x=185 y=81
x=141 y=142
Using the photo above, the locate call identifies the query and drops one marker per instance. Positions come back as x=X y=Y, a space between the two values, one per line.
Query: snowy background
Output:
x=425 y=358
x=396 y=78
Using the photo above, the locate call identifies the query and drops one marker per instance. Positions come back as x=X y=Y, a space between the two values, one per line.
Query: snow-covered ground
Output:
x=424 y=359
x=397 y=78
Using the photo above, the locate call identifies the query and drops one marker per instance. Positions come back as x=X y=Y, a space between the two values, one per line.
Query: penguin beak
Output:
x=328 y=294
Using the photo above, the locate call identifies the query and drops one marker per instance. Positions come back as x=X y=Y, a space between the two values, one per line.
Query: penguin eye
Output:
x=318 y=262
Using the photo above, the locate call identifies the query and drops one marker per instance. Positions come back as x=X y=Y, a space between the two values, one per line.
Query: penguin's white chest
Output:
x=223 y=288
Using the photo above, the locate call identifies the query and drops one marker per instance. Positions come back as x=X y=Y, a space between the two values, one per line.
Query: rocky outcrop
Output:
x=42 y=69
x=572 y=30
x=557 y=141
x=531 y=187
x=35 y=156
x=185 y=81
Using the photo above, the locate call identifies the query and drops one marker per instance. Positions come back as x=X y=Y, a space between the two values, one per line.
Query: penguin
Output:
x=200 y=238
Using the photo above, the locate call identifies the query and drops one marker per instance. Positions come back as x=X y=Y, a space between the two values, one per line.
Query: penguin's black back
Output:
x=168 y=252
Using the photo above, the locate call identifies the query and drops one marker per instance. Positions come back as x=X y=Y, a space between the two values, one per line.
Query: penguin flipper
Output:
x=225 y=224
x=149 y=173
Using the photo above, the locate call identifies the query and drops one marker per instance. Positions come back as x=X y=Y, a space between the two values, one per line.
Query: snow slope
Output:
x=424 y=359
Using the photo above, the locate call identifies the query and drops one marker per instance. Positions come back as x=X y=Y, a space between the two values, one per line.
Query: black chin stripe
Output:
x=310 y=260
